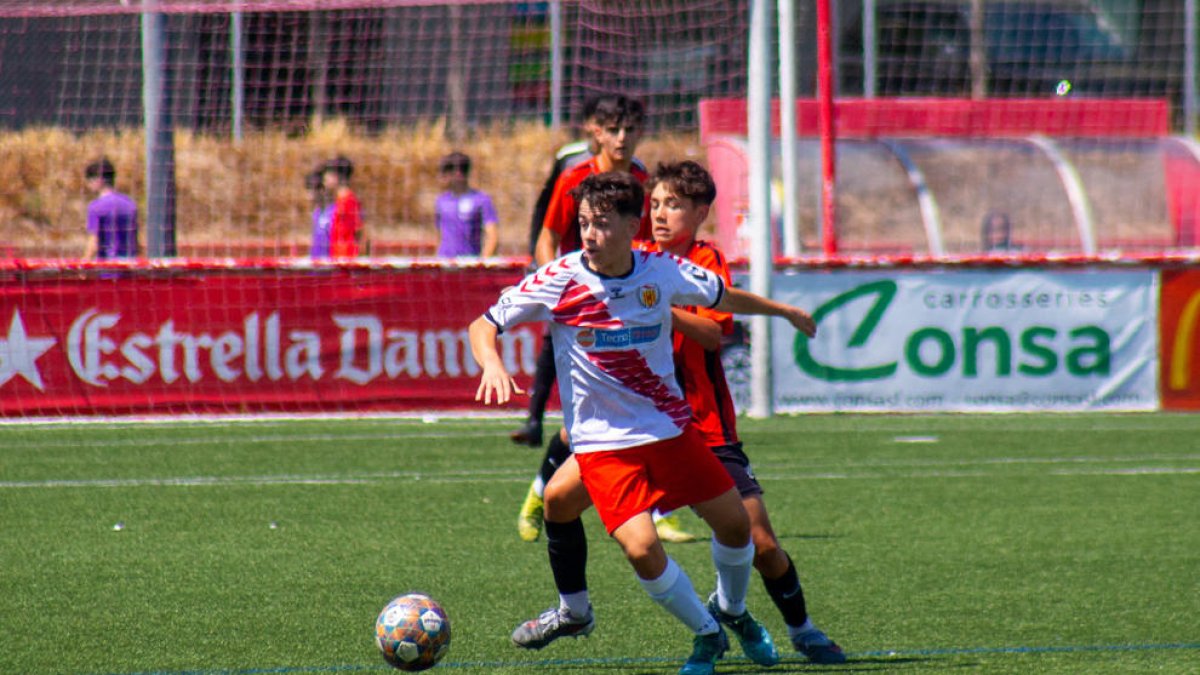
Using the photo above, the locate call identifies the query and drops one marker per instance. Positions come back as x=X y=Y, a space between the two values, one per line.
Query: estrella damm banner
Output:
x=1180 y=330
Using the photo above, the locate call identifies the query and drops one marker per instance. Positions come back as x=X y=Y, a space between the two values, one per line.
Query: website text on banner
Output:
x=1181 y=339
x=246 y=341
x=970 y=341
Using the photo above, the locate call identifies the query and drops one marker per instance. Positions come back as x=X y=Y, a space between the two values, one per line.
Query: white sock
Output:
x=576 y=604
x=539 y=486
x=673 y=591
x=733 y=575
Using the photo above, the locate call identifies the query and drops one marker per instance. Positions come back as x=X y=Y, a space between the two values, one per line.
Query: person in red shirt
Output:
x=617 y=128
x=616 y=123
x=346 y=233
x=681 y=196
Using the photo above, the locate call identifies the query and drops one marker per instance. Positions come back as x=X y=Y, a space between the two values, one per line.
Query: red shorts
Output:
x=669 y=474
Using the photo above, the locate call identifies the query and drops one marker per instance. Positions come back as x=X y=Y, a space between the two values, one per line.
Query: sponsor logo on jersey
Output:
x=649 y=295
x=617 y=338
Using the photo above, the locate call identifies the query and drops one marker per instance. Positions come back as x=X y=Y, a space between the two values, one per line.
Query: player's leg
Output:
x=774 y=565
x=566 y=545
x=539 y=393
x=733 y=563
x=529 y=519
x=670 y=587
x=620 y=484
x=779 y=576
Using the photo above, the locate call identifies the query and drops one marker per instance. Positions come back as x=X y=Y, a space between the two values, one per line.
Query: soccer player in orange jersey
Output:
x=681 y=196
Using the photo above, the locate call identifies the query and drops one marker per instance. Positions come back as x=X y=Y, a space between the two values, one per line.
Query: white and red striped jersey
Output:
x=612 y=343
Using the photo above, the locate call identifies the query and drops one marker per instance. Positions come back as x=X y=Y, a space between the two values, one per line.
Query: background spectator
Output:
x=112 y=222
x=346 y=231
x=465 y=217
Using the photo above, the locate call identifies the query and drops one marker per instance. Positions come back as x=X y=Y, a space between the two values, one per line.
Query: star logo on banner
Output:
x=19 y=353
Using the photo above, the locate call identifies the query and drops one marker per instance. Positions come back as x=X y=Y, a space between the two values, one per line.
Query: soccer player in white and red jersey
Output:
x=609 y=312
x=616 y=123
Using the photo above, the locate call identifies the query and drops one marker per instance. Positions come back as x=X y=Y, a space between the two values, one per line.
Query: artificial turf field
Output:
x=1000 y=544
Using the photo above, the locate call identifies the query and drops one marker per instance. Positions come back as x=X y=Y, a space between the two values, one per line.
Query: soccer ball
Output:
x=413 y=632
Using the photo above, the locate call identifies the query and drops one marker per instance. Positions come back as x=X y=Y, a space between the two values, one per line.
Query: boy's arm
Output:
x=701 y=329
x=495 y=379
x=543 y=205
x=547 y=247
x=737 y=301
x=559 y=217
x=491 y=240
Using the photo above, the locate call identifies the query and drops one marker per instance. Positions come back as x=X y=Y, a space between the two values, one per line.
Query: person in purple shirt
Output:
x=466 y=219
x=112 y=223
x=322 y=214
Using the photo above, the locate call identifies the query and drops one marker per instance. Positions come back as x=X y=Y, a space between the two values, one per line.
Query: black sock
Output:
x=567 y=546
x=543 y=380
x=787 y=595
x=557 y=452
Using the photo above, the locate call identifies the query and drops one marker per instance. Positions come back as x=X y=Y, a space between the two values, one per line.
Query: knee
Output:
x=563 y=504
x=769 y=559
x=647 y=559
x=733 y=534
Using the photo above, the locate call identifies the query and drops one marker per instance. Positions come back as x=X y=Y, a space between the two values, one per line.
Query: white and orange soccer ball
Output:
x=413 y=632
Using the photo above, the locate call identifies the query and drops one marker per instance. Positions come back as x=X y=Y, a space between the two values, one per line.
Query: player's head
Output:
x=618 y=123
x=313 y=183
x=681 y=195
x=100 y=174
x=610 y=211
x=337 y=172
x=453 y=170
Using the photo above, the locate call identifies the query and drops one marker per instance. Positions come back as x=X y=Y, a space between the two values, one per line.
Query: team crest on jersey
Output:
x=649 y=295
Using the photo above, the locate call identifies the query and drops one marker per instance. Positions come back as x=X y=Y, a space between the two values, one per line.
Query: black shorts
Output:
x=737 y=464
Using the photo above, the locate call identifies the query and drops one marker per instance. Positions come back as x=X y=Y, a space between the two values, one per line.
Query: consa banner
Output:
x=969 y=341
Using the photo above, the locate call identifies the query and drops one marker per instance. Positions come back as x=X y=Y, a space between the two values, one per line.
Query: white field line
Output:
x=249 y=440
x=917 y=475
x=522 y=475
x=986 y=461
x=1132 y=471
x=264 y=419
x=505 y=475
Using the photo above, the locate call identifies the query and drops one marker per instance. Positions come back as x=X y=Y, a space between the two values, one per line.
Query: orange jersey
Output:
x=562 y=216
x=699 y=371
x=347 y=222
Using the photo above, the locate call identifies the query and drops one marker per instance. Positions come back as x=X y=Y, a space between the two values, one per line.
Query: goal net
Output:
x=391 y=84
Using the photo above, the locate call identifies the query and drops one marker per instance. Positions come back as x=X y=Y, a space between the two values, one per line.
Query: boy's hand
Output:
x=496 y=380
x=802 y=321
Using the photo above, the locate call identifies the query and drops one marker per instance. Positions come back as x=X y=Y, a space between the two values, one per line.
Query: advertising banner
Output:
x=1180 y=330
x=1021 y=340
x=246 y=341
